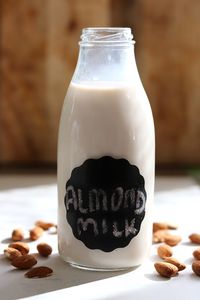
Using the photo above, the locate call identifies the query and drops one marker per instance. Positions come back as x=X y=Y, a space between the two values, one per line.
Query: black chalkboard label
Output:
x=105 y=203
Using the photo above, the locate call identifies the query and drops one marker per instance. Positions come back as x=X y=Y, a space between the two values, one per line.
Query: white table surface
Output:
x=25 y=199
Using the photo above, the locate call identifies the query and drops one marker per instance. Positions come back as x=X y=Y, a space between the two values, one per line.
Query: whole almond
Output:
x=44 y=249
x=22 y=247
x=163 y=226
x=195 y=238
x=164 y=251
x=24 y=262
x=166 y=269
x=11 y=253
x=44 y=225
x=17 y=234
x=36 y=233
x=196 y=267
x=175 y=262
x=39 y=272
x=196 y=253
x=172 y=240
x=159 y=236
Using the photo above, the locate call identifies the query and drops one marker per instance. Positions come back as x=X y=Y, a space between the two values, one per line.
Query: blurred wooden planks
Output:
x=167 y=37
x=39 y=48
x=38 y=51
x=24 y=122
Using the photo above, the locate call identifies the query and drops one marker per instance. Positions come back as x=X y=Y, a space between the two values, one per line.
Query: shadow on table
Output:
x=15 y=285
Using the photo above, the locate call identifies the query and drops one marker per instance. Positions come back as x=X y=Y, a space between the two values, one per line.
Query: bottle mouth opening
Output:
x=106 y=35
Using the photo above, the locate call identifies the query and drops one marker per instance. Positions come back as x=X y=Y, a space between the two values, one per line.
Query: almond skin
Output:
x=36 y=233
x=39 y=272
x=17 y=235
x=166 y=269
x=24 y=262
x=195 y=238
x=165 y=236
x=22 y=247
x=172 y=226
x=172 y=240
x=163 y=226
x=175 y=262
x=44 y=249
x=159 y=236
x=159 y=226
x=196 y=267
x=164 y=251
x=11 y=253
x=196 y=254
x=44 y=225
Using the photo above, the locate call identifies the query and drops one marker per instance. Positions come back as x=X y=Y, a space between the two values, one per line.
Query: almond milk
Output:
x=105 y=174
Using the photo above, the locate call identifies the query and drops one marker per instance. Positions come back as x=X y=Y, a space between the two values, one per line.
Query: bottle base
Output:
x=81 y=266
x=99 y=269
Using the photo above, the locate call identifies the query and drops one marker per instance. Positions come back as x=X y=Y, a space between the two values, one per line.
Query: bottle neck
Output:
x=106 y=36
x=106 y=54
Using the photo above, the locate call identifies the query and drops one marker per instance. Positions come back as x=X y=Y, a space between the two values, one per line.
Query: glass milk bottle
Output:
x=105 y=157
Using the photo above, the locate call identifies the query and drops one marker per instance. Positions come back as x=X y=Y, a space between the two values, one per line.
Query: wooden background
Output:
x=38 y=52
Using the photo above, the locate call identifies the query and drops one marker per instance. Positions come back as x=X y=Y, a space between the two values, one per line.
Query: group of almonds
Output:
x=18 y=251
x=170 y=266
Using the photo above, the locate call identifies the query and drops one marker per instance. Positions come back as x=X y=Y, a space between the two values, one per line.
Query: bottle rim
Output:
x=106 y=36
